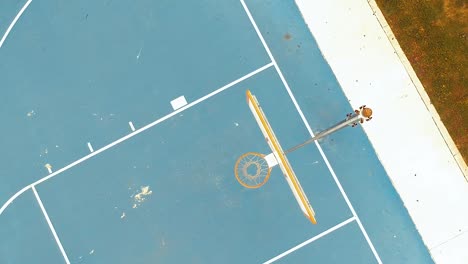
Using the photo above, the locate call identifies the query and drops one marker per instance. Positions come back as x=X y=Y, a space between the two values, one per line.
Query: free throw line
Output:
x=136 y=132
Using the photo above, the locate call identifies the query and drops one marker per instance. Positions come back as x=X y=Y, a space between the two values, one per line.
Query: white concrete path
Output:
x=415 y=149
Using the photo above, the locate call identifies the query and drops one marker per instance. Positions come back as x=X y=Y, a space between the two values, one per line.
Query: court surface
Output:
x=87 y=89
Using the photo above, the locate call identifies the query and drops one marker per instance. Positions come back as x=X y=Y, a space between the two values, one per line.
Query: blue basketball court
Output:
x=122 y=122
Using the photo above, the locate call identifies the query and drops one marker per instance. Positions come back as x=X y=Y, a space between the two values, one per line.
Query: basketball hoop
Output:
x=252 y=170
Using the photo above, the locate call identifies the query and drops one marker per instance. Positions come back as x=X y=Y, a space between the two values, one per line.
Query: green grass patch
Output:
x=433 y=35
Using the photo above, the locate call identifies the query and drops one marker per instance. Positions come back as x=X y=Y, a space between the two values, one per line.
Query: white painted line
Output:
x=271 y=160
x=306 y=123
x=332 y=172
x=9 y=201
x=14 y=22
x=305 y=243
x=178 y=102
x=131 y=126
x=90 y=147
x=51 y=226
x=120 y=140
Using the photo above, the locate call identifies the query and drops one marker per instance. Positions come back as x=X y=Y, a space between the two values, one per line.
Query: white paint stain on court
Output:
x=102 y=116
x=44 y=152
x=31 y=113
x=48 y=167
x=218 y=181
x=141 y=196
x=139 y=53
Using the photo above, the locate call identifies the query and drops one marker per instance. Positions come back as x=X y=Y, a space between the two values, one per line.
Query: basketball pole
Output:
x=352 y=119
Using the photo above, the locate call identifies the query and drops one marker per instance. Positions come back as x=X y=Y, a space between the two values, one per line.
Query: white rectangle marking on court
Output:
x=131 y=126
x=51 y=226
x=178 y=102
x=90 y=147
x=271 y=160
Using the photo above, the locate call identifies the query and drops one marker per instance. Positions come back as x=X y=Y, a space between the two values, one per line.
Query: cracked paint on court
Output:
x=141 y=196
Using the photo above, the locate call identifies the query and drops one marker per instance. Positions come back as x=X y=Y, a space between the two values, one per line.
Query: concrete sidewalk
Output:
x=406 y=132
